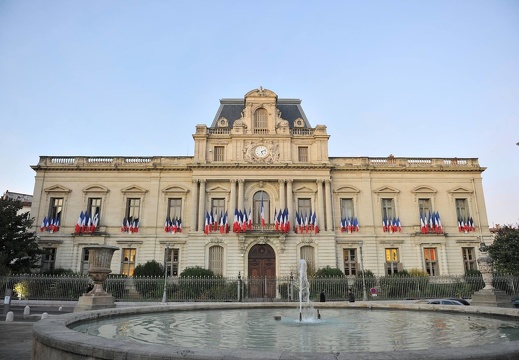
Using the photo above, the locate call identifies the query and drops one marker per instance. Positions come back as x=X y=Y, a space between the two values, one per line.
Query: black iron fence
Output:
x=174 y=289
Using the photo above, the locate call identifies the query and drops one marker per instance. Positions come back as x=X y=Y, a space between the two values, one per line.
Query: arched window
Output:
x=216 y=259
x=261 y=121
x=307 y=253
x=261 y=199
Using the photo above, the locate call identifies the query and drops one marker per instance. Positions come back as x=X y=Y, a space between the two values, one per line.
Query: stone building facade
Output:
x=262 y=165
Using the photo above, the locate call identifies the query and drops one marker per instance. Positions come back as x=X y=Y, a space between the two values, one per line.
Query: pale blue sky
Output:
x=409 y=78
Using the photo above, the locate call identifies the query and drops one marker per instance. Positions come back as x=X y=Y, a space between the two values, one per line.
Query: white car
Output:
x=444 y=302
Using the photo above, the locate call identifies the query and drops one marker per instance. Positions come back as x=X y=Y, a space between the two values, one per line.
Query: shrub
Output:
x=196 y=271
x=328 y=272
x=150 y=268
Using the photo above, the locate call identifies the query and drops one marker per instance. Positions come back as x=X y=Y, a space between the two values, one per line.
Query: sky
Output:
x=431 y=78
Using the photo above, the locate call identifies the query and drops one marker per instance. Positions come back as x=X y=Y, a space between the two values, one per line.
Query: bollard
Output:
x=9 y=317
x=44 y=315
x=26 y=311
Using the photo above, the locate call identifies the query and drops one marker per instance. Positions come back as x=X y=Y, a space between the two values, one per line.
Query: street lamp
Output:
x=364 y=294
x=166 y=253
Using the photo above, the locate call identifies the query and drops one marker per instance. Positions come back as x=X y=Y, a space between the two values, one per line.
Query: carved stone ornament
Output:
x=307 y=240
x=261 y=152
x=216 y=240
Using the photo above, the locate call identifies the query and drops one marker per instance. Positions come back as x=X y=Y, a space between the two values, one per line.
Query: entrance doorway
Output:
x=262 y=271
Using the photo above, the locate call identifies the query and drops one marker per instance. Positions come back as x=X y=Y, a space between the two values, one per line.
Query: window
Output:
x=347 y=209
x=172 y=262
x=56 y=207
x=48 y=260
x=128 y=261
x=216 y=259
x=424 y=206
x=307 y=253
x=304 y=207
x=302 y=153
x=218 y=153
x=132 y=210
x=350 y=261
x=388 y=209
x=462 y=211
x=259 y=198
x=218 y=208
x=469 y=258
x=94 y=209
x=261 y=121
x=84 y=261
x=174 y=208
x=391 y=261
x=431 y=261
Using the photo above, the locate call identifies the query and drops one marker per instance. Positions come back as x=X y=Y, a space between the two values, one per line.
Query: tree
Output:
x=150 y=268
x=19 y=250
x=505 y=250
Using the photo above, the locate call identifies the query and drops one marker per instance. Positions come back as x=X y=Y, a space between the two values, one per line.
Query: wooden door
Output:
x=262 y=271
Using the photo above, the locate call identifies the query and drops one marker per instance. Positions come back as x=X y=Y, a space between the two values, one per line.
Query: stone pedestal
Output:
x=99 y=260
x=491 y=297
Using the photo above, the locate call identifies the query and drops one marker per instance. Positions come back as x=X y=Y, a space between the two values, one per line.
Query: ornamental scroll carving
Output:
x=277 y=241
x=273 y=152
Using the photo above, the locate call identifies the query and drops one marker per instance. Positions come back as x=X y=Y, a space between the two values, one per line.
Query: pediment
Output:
x=304 y=189
x=261 y=92
x=134 y=189
x=386 y=189
x=347 y=189
x=57 y=189
x=217 y=188
x=96 y=189
x=460 y=190
x=424 y=189
x=175 y=189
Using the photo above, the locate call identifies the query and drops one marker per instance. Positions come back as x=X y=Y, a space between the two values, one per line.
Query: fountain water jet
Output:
x=306 y=310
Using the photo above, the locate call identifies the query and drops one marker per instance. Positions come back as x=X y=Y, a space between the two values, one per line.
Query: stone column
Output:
x=320 y=204
x=194 y=205
x=329 y=213
x=241 y=194
x=201 y=205
x=282 y=204
x=232 y=200
x=290 y=202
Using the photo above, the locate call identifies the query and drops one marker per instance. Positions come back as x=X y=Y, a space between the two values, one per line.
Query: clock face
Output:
x=261 y=151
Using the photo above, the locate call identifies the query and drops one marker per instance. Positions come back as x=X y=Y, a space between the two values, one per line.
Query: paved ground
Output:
x=16 y=336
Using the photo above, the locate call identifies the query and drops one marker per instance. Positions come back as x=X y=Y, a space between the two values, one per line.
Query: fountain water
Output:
x=307 y=312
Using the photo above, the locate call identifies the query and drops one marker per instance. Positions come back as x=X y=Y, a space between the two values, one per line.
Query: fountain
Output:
x=306 y=310
x=99 y=260
x=204 y=331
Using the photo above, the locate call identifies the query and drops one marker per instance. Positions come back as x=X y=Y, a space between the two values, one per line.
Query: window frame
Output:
x=216 y=259
x=128 y=257
x=431 y=266
x=349 y=258
x=302 y=153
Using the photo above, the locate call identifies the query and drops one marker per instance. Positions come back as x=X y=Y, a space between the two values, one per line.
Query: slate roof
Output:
x=231 y=110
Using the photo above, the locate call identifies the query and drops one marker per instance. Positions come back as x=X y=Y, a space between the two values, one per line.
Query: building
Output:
x=25 y=199
x=261 y=164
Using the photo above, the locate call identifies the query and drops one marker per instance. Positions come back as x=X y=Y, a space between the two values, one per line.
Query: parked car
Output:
x=463 y=301
x=515 y=301
x=444 y=302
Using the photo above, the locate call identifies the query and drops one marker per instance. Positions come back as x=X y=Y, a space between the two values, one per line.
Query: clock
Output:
x=261 y=151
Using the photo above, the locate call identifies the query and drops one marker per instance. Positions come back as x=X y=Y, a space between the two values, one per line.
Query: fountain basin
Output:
x=53 y=339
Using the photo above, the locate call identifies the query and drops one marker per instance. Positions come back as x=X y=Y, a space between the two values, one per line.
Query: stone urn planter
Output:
x=99 y=261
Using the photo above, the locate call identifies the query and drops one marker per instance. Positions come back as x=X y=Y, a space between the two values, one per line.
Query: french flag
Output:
x=262 y=212
x=78 y=224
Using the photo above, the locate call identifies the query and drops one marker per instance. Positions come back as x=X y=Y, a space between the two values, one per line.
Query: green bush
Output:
x=150 y=268
x=328 y=272
x=196 y=271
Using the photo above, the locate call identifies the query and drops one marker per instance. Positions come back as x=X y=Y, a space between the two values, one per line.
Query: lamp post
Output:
x=166 y=253
x=364 y=294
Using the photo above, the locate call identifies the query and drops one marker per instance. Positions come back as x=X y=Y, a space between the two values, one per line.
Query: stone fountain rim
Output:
x=54 y=335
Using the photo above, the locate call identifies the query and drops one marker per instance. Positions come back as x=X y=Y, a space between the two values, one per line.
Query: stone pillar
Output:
x=194 y=205
x=320 y=204
x=201 y=206
x=232 y=200
x=282 y=204
x=329 y=211
x=489 y=296
x=241 y=194
x=290 y=202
